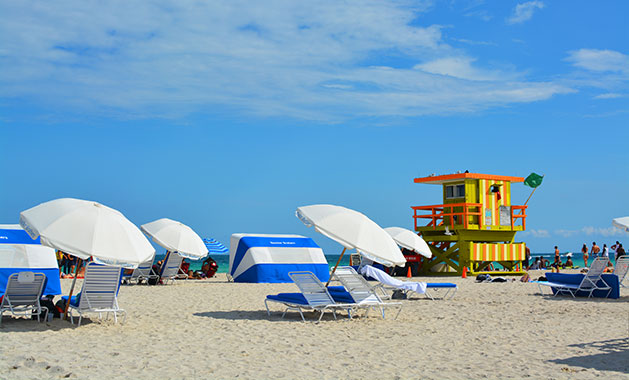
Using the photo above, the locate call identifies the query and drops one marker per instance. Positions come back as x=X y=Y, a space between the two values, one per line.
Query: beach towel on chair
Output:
x=383 y=277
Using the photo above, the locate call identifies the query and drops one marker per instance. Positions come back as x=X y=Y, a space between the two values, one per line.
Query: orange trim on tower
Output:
x=439 y=179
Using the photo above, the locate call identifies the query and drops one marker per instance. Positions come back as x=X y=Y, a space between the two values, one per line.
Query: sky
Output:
x=228 y=115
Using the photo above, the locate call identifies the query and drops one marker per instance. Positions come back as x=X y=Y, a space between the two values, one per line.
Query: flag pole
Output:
x=532 y=192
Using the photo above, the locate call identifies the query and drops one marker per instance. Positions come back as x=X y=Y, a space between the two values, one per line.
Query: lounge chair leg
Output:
x=399 y=310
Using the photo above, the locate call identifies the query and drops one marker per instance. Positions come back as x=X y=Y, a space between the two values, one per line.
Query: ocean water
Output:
x=223 y=260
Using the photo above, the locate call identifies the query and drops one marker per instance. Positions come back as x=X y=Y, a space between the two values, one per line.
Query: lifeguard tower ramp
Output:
x=474 y=227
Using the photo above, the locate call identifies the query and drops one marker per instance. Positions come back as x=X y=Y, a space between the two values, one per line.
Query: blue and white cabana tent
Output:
x=19 y=253
x=269 y=258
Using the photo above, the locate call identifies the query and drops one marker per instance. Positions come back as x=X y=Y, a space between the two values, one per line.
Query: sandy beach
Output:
x=216 y=329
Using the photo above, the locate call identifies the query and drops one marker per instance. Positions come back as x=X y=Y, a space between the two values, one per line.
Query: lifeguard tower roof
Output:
x=445 y=178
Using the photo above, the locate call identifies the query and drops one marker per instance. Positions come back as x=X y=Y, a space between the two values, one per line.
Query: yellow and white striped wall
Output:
x=497 y=251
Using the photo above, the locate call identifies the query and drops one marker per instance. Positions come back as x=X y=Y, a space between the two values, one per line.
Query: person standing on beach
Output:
x=557 y=263
x=605 y=251
x=614 y=248
x=620 y=251
x=584 y=251
x=595 y=250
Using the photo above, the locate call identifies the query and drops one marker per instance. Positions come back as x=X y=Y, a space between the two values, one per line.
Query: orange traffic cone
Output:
x=408 y=274
x=464 y=272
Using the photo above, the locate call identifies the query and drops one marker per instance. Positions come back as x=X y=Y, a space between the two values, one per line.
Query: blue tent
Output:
x=19 y=253
x=269 y=258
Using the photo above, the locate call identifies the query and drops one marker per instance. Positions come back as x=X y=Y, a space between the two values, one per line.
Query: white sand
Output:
x=214 y=329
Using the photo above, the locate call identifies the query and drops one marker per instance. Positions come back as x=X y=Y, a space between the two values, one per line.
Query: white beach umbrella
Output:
x=409 y=240
x=352 y=230
x=176 y=237
x=85 y=228
x=622 y=223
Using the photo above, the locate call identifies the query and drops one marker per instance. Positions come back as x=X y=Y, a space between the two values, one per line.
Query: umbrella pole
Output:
x=76 y=273
x=336 y=266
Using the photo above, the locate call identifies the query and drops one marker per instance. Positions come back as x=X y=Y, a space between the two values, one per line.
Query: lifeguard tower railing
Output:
x=469 y=216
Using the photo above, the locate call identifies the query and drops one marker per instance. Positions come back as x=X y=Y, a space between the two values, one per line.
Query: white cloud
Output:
x=457 y=67
x=609 y=95
x=600 y=60
x=321 y=60
x=602 y=69
x=523 y=12
x=480 y=14
x=536 y=233
x=588 y=231
x=605 y=232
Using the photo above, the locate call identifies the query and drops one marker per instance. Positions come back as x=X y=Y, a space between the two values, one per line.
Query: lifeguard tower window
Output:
x=455 y=191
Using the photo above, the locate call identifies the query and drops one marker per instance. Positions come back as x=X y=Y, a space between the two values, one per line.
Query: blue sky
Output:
x=228 y=115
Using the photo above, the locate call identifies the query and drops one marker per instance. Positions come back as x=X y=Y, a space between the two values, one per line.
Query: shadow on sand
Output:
x=252 y=315
x=614 y=356
x=27 y=325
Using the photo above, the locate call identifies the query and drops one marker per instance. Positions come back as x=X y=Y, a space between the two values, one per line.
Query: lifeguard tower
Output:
x=474 y=227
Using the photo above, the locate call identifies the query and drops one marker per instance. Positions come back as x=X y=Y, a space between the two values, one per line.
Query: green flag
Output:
x=533 y=180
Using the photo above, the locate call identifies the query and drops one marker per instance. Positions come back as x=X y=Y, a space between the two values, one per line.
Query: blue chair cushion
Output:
x=294 y=298
x=440 y=285
x=74 y=301
x=340 y=295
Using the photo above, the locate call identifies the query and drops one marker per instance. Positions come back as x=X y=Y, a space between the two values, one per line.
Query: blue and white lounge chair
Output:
x=433 y=287
x=591 y=281
x=99 y=293
x=22 y=295
x=386 y=282
x=362 y=294
x=314 y=296
x=144 y=272
x=170 y=267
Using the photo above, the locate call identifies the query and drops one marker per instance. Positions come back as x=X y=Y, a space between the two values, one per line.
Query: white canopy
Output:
x=353 y=230
x=622 y=223
x=409 y=240
x=176 y=237
x=85 y=228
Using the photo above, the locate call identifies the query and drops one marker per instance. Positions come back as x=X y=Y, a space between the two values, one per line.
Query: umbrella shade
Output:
x=622 y=223
x=409 y=240
x=215 y=247
x=176 y=237
x=353 y=230
x=84 y=228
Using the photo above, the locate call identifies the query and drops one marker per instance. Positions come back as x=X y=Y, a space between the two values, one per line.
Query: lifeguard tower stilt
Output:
x=475 y=226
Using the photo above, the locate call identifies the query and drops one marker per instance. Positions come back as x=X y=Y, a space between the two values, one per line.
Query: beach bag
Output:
x=398 y=295
x=48 y=304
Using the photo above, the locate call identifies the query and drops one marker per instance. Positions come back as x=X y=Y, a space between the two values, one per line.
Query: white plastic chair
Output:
x=22 y=295
x=170 y=267
x=621 y=269
x=144 y=271
x=315 y=297
x=588 y=284
x=362 y=293
x=99 y=293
